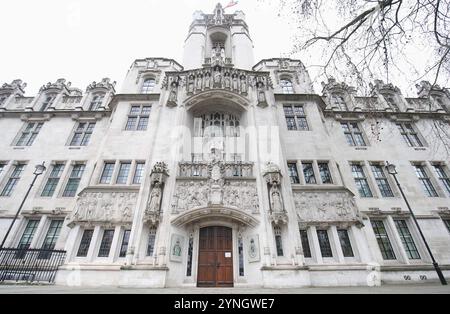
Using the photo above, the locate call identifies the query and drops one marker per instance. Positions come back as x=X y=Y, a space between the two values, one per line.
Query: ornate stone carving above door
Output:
x=328 y=206
x=104 y=207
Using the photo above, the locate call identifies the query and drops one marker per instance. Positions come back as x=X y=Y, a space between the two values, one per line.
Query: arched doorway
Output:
x=215 y=261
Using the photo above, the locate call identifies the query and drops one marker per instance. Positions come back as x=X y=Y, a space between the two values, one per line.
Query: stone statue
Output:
x=191 y=84
x=155 y=199
x=177 y=248
x=199 y=82
x=261 y=93
x=217 y=79
x=227 y=81
x=208 y=80
x=244 y=85
x=276 y=202
x=173 y=92
x=235 y=83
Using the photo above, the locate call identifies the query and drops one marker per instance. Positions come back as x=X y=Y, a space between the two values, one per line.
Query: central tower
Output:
x=218 y=39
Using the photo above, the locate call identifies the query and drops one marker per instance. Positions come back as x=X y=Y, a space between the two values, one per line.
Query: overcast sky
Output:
x=86 y=40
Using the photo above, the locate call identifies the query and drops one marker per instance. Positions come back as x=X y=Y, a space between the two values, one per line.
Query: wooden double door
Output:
x=215 y=262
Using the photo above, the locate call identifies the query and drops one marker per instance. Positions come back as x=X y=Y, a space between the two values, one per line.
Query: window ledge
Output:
x=420 y=148
x=74 y=147
x=19 y=148
x=361 y=148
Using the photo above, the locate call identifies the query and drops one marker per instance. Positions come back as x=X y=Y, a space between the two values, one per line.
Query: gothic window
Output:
x=74 y=180
x=324 y=243
x=218 y=125
x=353 y=134
x=425 y=181
x=407 y=239
x=49 y=99
x=53 y=180
x=293 y=173
x=278 y=241
x=346 y=245
x=138 y=118
x=125 y=242
x=382 y=181
x=325 y=173
x=97 y=101
x=85 y=243
x=148 y=86
x=286 y=86
x=151 y=242
x=82 y=134
x=138 y=173
x=107 y=173
x=29 y=134
x=443 y=176
x=295 y=118
x=391 y=102
x=339 y=101
x=50 y=239
x=28 y=234
x=383 y=240
x=105 y=245
x=308 y=172
x=13 y=180
x=409 y=134
x=124 y=171
x=361 y=181
x=305 y=244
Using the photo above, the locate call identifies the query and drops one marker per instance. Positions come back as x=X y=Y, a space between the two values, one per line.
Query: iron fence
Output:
x=30 y=265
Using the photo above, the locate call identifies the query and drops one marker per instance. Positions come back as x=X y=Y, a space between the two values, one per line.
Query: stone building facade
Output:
x=220 y=172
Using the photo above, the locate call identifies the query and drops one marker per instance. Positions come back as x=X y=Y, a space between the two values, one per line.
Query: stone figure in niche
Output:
x=155 y=199
x=227 y=81
x=235 y=83
x=217 y=78
x=244 y=85
x=252 y=251
x=191 y=84
x=261 y=93
x=222 y=54
x=208 y=80
x=199 y=82
x=173 y=92
x=276 y=201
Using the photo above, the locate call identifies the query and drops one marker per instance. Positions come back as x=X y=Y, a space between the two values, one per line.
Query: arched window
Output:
x=220 y=125
x=49 y=99
x=339 y=101
x=148 y=86
x=286 y=86
x=96 y=101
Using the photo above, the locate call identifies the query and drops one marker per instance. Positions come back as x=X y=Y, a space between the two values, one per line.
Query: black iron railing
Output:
x=30 y=265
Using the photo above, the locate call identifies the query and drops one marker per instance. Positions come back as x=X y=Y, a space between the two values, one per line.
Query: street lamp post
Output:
x=391 y=169
x=40 y=169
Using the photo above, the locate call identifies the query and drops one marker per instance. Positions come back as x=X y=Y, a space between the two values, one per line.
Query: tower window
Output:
x=148 y=86
x=286 y=86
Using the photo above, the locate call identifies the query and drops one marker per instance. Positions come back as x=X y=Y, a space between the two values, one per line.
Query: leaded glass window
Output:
x=13 y=180
x=50 y=239
x=29 y=134
x=74 y=180
x=383 y=240
x=296 y=118
x=28 y=234
x=346 y=245
x=308 y=172
x=425 y=181
x=324 y=243
x=443 y=177
x=305 y=244
x=85 y=243
x=148 y=86
x=361 y=181
x=105 y=246
x=138 y=118
x=53 y=180
x=125 y=242
x=151 y=242
x=382 y=181
x=325 y=173
x=407 y=239
x=82 y=134
x=241 y=256
x=124 y=171
x=107 y=173
x=293 y=173
x=96 y=102
x=353 y=134
x=409 y=134
x=190 y=256
x=138 y=173
x=278 y=241
x=286 y=86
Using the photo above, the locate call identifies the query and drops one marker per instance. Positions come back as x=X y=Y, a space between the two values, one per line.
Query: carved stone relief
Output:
x=326 y=207
x=104 y=207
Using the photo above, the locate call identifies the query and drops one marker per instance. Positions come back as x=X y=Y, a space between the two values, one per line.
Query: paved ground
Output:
x=403 y=289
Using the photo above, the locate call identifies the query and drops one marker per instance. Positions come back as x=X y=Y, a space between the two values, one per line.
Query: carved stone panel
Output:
x=320 y=207
x=104 y=207
x=197 y=194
